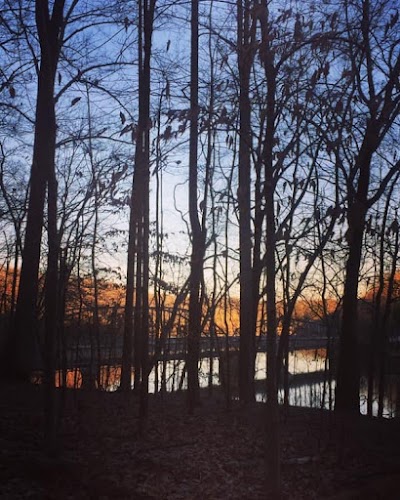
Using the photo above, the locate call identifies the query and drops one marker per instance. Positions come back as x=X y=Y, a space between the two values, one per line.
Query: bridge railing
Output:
x=176 y=348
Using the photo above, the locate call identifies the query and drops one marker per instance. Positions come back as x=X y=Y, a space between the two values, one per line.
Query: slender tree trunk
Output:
x=383 y=341
x=138 y=254
x=126 y=367
x=245 y=55
x=376 y=327
x=95 y=357
x=273 y=425
x=4 y=294
x=144 y=130
x=273 y=452
x=197 y=256
x=15 y=274
x=51 y=315
x=158 y=272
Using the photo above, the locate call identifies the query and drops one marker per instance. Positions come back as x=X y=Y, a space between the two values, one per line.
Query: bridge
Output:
x=175 y=348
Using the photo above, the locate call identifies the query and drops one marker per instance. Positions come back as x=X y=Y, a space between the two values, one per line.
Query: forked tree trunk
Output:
x=382 y=110
x=348 y=375
x=137 y=319
x=22 y=348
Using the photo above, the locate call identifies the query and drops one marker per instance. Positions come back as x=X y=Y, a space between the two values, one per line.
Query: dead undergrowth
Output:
x=214 y=454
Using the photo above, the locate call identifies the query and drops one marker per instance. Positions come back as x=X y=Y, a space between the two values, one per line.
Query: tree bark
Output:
x=245 y=56
x=273 y=448
x=383 y=109
x=198 y=245
x=138 y=248
x=22 y=351
x=348 y=373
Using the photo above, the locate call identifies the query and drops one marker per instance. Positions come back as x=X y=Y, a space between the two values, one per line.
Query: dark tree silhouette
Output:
x=246 y=49
x=379 y=93
x=22 y=345
x=198 y=240
x=137 y=290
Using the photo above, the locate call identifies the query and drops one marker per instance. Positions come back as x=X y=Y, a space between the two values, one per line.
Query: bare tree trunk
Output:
x=382 y=111
x=245 y=57
x=95 y=340
x=376 y=327
x=348 y=376
x=138 y=253
x=197 y=256
x=22 y=346
x=383 y=341
x=273 y=452
x=51 y=314
x=159 y=338
x=144 y=130
x=126 y=367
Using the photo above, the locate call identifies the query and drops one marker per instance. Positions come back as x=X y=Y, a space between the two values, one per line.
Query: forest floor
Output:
x=213 y=454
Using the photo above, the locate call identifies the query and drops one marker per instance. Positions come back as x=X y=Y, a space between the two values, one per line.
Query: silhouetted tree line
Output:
x=221 y=149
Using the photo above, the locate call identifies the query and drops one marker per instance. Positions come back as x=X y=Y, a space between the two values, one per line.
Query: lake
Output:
x=309 y=386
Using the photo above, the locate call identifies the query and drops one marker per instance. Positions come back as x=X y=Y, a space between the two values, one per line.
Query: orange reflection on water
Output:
x=77 y=378
x=73 y=378
x=110 y=377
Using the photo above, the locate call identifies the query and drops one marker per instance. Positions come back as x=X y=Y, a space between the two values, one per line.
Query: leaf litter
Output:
x=216 y=453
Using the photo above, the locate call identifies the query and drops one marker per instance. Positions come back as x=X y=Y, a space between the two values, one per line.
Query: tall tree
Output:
x=246 y=50
x=198 y=237
x=372 y=62
x=137 y=290
x=273 y=483
x=50 y=23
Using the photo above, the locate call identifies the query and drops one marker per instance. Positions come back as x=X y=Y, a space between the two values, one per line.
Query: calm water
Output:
x=311 y=393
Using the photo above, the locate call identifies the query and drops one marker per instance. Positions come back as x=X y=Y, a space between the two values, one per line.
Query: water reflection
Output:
x=309 y=384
